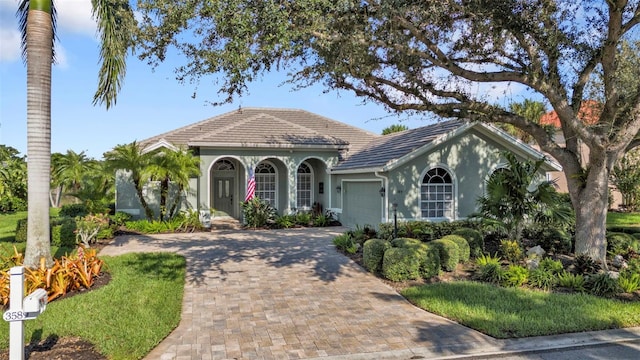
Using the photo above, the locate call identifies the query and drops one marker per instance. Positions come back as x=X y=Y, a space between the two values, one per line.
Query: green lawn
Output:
x=623 y=219
x=516 y=312
x=126 y=318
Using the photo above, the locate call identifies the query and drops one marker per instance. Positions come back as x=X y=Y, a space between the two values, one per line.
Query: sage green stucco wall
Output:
x=470 y=159
x=286 y=162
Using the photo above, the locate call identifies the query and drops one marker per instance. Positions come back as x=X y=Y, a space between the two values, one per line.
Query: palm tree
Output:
x=130 y=158
x=71 y=168
x=514 y=197
x=186 y=166
x=174 y=167
x=37 y=25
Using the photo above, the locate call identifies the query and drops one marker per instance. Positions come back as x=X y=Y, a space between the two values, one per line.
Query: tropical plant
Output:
x=511 y=250
x=629 y=282
x=490 y=269
x=88 y=227
x=13 y=180
x=602 y=284
x=515 y=196
x=37 y=25
x=394 y=129
x=626 y=177
x=130 y=159
x=258 y=213
x=542 y=278
x=585 y=265
x=69 y=172
x=571 y=281
x=345 y=243
x=175 y=167
x=285 y=221
x=528 y=109
x=515 y=276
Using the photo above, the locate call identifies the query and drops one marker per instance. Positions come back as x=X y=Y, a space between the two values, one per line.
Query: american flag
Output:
x=251 y=186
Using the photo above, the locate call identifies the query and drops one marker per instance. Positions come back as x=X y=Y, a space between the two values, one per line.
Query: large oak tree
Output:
x=439 y=57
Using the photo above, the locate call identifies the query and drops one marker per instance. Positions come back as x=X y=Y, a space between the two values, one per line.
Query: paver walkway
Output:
x=288 y=294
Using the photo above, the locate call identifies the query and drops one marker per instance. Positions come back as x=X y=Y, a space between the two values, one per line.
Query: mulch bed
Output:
x=66 y=348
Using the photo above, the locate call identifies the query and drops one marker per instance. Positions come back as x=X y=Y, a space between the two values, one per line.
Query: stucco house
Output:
x=299 y=158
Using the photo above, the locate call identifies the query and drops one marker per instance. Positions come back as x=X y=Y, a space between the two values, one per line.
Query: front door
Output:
x=223 y=196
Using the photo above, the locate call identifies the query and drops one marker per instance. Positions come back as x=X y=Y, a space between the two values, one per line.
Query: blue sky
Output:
x=151 y=101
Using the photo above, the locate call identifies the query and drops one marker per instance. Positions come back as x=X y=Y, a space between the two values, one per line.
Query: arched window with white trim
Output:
x=265 y=176
x=304 y=192
x=436 y=194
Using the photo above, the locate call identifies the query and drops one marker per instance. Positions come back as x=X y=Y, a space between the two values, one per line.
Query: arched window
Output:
x=305 y=186
x=436 y=195
x=266 y=183
x=223 y=165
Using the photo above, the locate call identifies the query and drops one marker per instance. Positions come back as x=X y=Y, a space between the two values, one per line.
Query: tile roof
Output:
x=264 y=127
x=385 y=149
x=590 y=111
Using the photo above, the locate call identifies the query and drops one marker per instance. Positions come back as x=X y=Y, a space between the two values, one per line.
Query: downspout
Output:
x=385 y=201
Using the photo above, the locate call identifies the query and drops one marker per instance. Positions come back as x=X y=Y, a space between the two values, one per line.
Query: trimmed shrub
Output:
x=120 y=218
x=474 y=239
x=449 y=253
x=620 y=243
x=463 y=246
x=400 y=264
x=63 y=232
x=405 y=242
x=73 y=210
x=429 y=261
x=373 y=253
x=21 y=230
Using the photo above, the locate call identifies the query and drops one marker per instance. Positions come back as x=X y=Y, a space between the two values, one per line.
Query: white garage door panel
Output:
x=362 y=204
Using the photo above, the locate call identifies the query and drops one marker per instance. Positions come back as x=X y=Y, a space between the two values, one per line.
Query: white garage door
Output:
x=361 y=204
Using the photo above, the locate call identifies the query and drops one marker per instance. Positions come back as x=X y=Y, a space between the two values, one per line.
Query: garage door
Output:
x=361 y=203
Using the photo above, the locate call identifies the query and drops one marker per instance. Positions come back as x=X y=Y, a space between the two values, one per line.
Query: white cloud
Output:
x=75 y=16
x=9 y=45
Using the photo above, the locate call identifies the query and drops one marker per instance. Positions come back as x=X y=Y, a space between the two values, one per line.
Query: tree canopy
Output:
x=438 y=57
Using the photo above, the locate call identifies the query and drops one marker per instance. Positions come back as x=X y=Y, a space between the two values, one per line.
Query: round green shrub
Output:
x=449 y=253
x=21 y=230
x=63 y=232
x=464 y=250
x=400 y=264
x=620 y=243
x=372 y=254
x=405 y=242
x=73 y=210
x=474 y=239
x=429 y=261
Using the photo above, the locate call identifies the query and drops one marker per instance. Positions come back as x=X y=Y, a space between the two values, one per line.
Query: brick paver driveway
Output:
x=288 y=294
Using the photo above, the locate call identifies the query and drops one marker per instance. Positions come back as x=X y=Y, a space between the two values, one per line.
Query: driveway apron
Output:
x=288 y=294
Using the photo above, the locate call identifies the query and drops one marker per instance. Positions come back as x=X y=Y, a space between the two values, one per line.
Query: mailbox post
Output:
x=20 y=310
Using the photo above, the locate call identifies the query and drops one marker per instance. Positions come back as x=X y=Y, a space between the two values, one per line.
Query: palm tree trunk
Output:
x=39 y=58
